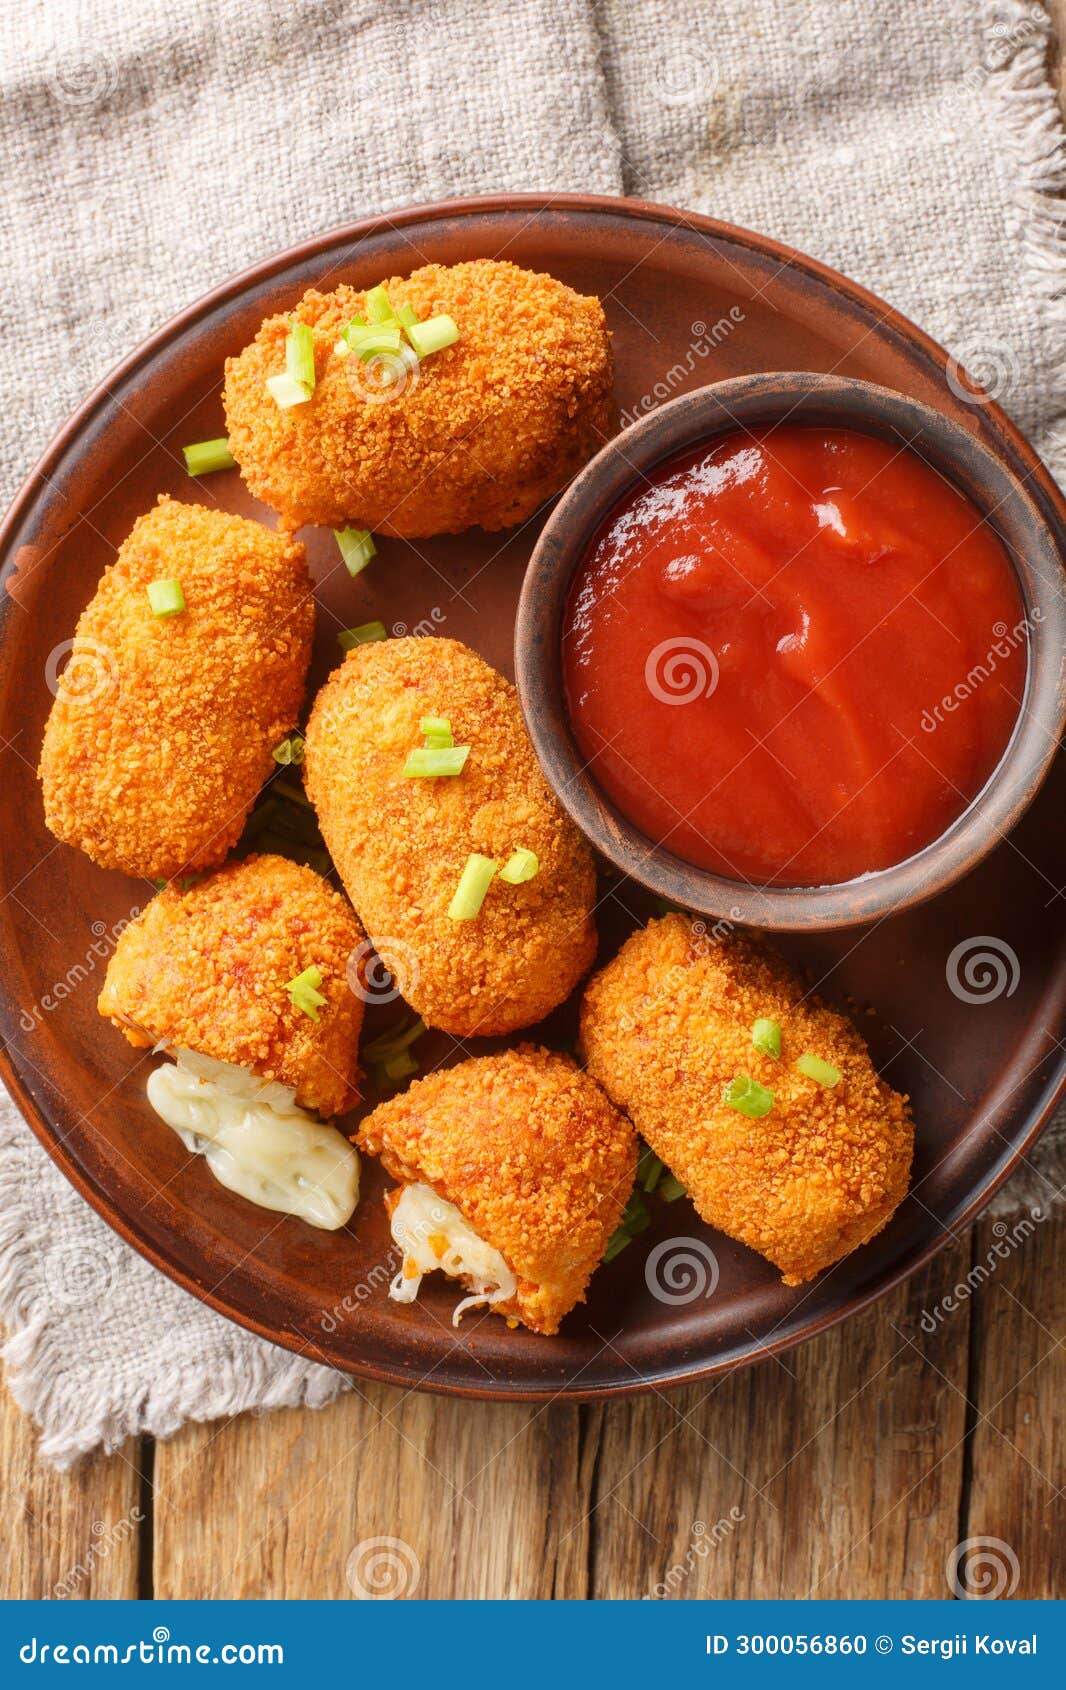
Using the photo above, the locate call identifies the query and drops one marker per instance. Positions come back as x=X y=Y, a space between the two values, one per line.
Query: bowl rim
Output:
x=1035 y=544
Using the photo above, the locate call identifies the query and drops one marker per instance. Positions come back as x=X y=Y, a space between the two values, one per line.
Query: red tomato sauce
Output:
x=794 y=657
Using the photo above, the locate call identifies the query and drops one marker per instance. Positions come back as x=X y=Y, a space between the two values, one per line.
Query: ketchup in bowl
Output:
x=794 y=656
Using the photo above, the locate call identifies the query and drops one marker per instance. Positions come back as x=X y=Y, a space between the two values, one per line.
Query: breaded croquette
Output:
x=667 y=1028
x=208 y=970
x=161 y=733
x=400 y=844
x=514 y=1172
x=481 y=432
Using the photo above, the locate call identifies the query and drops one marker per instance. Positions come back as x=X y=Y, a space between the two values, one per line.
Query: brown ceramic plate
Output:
x=969 y=990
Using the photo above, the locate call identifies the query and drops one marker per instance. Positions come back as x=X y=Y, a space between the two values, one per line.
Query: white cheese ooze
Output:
x=256 y=1139
x=433 y=1234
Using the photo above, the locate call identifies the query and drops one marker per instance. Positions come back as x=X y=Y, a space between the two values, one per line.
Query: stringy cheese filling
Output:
x=256 y=1139
x=433 y=1234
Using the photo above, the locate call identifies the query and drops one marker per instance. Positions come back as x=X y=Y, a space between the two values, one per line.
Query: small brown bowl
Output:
x=1003 y=500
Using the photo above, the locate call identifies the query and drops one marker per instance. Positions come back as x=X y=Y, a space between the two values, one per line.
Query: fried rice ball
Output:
x=401 y=844
x=207 y=970
x=161 y=733
x=534 y=1156
x=666 y=1027
x=481 y=432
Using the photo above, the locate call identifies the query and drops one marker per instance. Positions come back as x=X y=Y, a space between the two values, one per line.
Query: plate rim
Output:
x=889 y=320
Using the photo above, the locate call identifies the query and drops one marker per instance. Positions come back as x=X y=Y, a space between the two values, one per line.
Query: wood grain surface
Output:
x=853 y=1467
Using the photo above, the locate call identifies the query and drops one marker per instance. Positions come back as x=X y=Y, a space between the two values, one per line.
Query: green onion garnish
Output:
x=649 y=1170
x=286 y=391
x=436 y=730
x=815 y=1069
x=749 y=1097
x=371 y=342
x=405 y=315
x=300 y=355
x=378 y=308
x=365 y=634
x=166 y=598
x=766 y=1037
x=304 y=991
x=474 y=882
x=635 y=1218
x=400 y=1066
x=436 y=760
x=670 y=1188
x=357 y=547
x=289 y=750
x=389 y=1044
x=432 y=335
x=206 y=456
x=520 y=865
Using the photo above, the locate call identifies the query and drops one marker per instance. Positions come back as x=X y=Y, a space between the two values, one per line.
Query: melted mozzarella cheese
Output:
x=433 y=1234
x=256 y=1139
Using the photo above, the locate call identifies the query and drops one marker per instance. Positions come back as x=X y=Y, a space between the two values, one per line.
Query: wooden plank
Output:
x=835 y=1471
x=1019 y=1437
x=65 y=1534
x=476 y=1498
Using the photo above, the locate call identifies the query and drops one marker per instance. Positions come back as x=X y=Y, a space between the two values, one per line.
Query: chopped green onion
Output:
x=749 y=1097
x=635 y=1218
x=405 y=315
x=649 y=1170
x=815 y=1069
x=300 y=355
x=292 y=794
x=378 y=308
x=365 y=634
x=357 y=547
x=289 y=750
x=166 y=598
x=372 y=341
x=286 y=392
x=400 y=1066
x=670 y=1188
x=437 y=731
x=766 y=1037
x=436 y=760
x=474 y=882
x=304 y=991
x=520 y=865
x=206 y=456
x=432 y=335
x=380 y=1049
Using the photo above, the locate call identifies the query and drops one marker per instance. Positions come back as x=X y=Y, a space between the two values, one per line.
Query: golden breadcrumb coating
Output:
x=534 y=1156
x=667 y=1025
x=161 y=732
x=400 y=844
x=208 y=970
x=481 y=432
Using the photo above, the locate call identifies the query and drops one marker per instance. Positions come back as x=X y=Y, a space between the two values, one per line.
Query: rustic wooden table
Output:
x=852 y=1467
